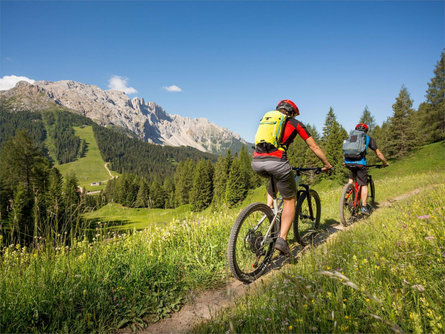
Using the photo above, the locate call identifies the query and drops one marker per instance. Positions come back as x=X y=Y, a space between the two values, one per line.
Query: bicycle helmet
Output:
x=362 y=127
x=289 y=106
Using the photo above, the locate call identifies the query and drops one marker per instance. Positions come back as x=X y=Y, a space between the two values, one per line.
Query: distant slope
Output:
x=90 y=168
x=51 y=130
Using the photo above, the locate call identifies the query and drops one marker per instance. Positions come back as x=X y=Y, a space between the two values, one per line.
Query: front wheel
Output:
x=307 y=217
x=249 y=251
x=349 y=205
x=371 y=193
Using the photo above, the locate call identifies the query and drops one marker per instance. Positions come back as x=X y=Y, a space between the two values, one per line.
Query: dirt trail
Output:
x=202 y=306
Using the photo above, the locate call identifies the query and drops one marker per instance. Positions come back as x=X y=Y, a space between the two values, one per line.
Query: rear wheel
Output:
x=348 y=209
x=307 y=217
x=248 y=252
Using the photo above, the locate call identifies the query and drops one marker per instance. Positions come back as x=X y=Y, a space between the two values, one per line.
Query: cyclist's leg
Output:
x=362 y=180
x=287 y=217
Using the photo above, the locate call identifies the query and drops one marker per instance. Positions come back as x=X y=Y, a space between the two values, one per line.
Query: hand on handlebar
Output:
x=326 y=167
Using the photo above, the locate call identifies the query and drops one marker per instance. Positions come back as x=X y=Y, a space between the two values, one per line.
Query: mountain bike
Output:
x=257 y=227
x=350 y=201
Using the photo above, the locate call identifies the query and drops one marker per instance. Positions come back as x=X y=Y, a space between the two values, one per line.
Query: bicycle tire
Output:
x=348 y=213
x=305 y=227
x=242 y=240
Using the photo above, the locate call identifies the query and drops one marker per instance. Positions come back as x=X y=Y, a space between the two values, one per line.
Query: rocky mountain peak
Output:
x=147 y=120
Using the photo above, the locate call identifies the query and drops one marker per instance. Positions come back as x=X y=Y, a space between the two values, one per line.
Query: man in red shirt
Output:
x=274 y=162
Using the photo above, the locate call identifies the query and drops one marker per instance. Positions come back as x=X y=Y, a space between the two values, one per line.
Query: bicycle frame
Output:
x=278 y=202
x=358 y=188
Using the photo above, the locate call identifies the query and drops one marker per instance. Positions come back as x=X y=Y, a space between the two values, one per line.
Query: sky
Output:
x=231 y=61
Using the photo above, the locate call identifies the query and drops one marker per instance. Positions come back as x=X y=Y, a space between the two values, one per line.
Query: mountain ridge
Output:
x=146 y=120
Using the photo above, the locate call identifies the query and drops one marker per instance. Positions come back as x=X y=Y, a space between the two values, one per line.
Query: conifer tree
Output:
x=368 y=119
x=334 y=135
x=143 y=195
x=54 y=198
x=202 y=190
x=246 y=168
x=236 y=189
x=157 y=195
x=330 y=119
x=72 y=196
x=433 y=110
x=401 y=129
x=221 y=174
x=169 y=190
x=184 y=182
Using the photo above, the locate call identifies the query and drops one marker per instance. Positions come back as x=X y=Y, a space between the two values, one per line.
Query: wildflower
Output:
x=418 y=287
x=290 y=327
x=424 y=217
x=346 y=317
x=328 y=268
x=429 y=238
x=367 y=300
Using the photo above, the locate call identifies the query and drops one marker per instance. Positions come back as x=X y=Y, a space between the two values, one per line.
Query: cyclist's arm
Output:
x=310 y=142
x=381 y=157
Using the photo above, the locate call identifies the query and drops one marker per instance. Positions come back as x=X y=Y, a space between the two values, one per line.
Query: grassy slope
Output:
x=429 y=158
x=384 y=274
x=91 y=167
x=98 y=286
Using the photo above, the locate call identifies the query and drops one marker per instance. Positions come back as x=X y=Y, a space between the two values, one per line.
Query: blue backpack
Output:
x=354 y=148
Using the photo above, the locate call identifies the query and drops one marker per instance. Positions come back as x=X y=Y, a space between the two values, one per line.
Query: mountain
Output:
x=145 y=120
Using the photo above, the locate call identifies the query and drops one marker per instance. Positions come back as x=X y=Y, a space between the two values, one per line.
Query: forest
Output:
x=36 y=200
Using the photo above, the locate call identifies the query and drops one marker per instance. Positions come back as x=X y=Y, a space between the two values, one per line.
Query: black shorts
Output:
x=359 y=173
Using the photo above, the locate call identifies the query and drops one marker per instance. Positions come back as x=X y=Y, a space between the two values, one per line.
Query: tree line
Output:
x=199 y=184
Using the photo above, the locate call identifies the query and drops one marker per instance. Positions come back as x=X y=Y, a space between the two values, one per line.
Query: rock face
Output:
x=147 y=120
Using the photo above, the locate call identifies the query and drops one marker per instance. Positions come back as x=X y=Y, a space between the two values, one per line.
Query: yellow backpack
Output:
x=269 y=132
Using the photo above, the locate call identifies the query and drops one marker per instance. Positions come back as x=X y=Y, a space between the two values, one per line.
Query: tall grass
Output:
x=384 y=274
x=116 y=280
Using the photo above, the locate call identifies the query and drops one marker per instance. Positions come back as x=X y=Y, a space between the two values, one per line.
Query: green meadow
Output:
x=383 y=274
x=90 y=168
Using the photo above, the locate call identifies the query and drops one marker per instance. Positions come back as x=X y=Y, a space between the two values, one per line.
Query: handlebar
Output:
x=316 y=169
x=376 y=166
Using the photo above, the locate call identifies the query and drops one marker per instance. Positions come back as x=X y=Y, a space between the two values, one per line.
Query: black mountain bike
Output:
x=257 y=227
x=350 y=201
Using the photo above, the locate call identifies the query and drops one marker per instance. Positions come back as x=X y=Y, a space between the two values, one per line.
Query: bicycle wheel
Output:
x=307 y=217
x=371 y=192
x=348 y=211
x=247 y=254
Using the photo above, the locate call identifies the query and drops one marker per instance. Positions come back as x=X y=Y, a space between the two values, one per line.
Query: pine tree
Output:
x=54 y=198
x=221 y=174
x=246 y=168
x=143 y=195
x=236 y=189
x=169 y=190
x=330 y=119
x=368 y=119
x=433 y=110
x=157 y=195
x=334 y=135
x=72 y=197
x=202 y=190
x=401 y=125
x=184 y=182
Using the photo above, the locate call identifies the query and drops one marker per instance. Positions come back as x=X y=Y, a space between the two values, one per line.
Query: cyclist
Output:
x=358 y=168
x=274 y=162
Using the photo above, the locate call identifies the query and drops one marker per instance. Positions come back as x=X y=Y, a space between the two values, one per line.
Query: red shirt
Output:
x=292 y=128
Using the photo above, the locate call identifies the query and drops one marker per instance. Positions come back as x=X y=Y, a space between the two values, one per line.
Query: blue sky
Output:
x=231 y=61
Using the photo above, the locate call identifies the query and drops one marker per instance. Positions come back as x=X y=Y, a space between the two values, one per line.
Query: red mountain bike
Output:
x=350 y=201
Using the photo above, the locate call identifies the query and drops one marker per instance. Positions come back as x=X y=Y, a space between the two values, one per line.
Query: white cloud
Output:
x=9 y=81
x=120 y=83
x=172 y=88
